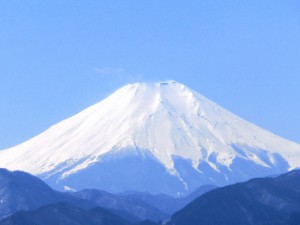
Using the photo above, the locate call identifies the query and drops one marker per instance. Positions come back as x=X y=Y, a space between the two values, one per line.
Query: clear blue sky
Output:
x=58 y=57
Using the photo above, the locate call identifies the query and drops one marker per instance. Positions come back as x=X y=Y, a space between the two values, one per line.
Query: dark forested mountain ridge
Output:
x=261 y=201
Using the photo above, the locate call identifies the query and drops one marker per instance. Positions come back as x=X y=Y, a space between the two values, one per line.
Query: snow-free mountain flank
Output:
x=273 y=201
x=155 y=137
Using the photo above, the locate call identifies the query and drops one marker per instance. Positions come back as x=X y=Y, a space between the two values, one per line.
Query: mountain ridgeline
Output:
x=261 y=201
x=64 y=214
x=160 y=138
x=26 y=198
x=22 y=191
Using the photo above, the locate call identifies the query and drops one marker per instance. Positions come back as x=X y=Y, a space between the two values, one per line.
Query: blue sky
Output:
x=59 y=57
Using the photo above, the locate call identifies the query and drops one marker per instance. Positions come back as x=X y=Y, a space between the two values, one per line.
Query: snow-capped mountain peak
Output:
x=194 y=139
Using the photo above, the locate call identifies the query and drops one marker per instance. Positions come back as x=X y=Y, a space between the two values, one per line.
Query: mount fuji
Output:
x=152 y=137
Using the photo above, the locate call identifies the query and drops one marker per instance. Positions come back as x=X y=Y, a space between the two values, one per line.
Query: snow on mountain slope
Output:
x=164 y=133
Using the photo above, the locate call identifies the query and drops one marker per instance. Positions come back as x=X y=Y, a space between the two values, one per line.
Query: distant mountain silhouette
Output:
x=64 y=214
x=138 y=208
x=261 y=201
x=22 y=191
x=167 y=203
